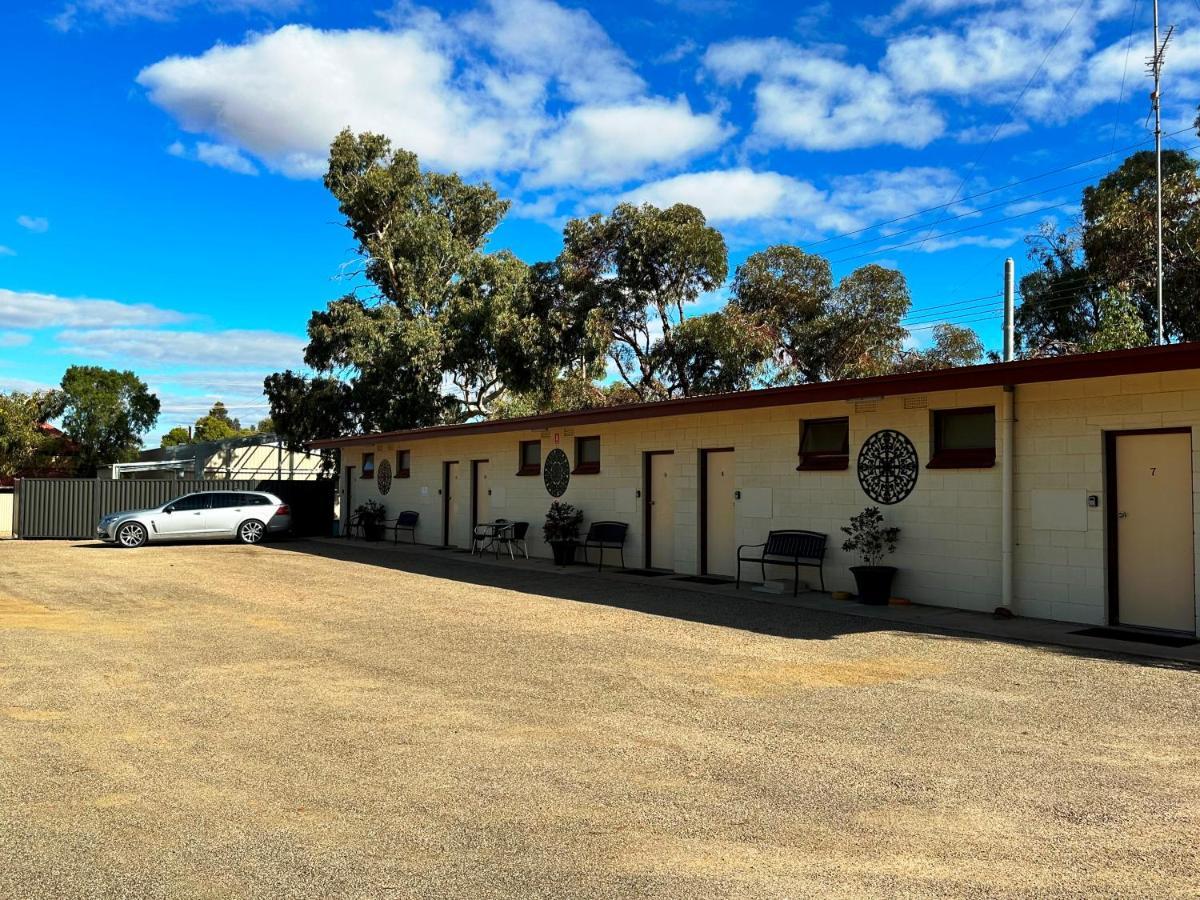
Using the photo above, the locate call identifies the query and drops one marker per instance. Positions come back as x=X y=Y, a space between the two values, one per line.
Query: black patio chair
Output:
x=406 y=521
x=513 y=535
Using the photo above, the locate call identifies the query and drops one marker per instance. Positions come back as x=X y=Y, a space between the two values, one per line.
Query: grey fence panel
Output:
x=54 y=507
x=69 y=508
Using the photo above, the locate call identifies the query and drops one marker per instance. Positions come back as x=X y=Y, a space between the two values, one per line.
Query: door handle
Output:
x=1122 y=515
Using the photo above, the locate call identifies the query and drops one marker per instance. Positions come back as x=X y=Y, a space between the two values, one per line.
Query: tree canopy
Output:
x=441 y=328
x=105 y=412
x=25 y=444
x=1106 y=259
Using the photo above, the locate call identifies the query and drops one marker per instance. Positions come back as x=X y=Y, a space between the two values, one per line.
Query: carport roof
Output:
x=1171 y=358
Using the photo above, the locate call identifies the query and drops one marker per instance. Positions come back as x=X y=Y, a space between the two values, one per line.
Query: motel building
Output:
x=1061 y=488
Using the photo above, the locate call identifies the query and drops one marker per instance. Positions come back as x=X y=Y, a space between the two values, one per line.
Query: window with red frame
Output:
x=964 y=438
x=530 y=458
x=824 y=445
x=587 y=456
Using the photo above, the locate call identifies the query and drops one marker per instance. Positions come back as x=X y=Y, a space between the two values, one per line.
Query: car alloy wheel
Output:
x=251 y=532
x=131 y=534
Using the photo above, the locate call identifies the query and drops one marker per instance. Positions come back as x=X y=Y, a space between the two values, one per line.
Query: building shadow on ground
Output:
x=744 y=610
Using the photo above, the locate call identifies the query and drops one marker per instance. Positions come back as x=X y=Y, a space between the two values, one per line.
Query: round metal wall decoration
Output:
x=888 y=467
x=383 y=476
x=556 y=472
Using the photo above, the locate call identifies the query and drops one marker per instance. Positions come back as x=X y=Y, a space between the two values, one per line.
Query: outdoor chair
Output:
x=406 y=521
x=354 y=522
x=793 y=548
x=513 y=535
x=484 y=536
x=606 y=536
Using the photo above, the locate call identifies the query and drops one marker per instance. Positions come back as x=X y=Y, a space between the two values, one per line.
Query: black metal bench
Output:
x=793 y=548
x=606 y=536
x=406 y=521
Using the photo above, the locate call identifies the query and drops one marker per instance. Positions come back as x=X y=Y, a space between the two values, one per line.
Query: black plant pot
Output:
x=874 y=583
x=564 y=552
x=373 y=531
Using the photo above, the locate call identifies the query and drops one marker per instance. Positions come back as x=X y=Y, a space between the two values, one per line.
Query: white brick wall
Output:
x=949 y=552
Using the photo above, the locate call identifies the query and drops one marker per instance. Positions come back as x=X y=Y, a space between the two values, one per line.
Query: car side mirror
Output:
x=168 y=510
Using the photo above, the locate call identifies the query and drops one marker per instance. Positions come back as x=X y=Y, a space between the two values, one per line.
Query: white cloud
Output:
x=219 y=156
x=599 y=145
x=235 y=347
x=991 y=55
x=756 y=206
x=114 y=12
x=1025 y=207
x=223 y=156
x=517 y=87
x=24 y=309
x=882 y=195
x=983 y=134
x=925 y=9
x=813 y=101
x=936 y=244
x=36 y=224
x=14 y=339
x=24 y=385
x=284 y=95
x=734 y=196
x=551 y=42
x=7 y=251
x=959 y=64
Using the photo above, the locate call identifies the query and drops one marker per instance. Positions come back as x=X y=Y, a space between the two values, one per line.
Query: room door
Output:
x=1154 y=530
x=719 y=533
x=481 y=491
x=454 y=503
x=660 y=511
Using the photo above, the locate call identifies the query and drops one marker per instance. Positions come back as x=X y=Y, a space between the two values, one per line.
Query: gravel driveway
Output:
x=301 y=720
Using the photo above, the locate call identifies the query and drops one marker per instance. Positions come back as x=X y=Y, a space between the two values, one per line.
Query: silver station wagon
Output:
x=246 y=516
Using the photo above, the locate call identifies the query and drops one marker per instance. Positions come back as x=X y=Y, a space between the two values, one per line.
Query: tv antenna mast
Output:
x=1156 y=64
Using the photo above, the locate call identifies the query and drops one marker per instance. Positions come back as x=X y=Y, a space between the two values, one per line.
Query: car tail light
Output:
x=284 y=510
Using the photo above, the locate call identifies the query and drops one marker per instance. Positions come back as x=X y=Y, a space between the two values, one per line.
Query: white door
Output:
x=457 y=510
x=185 y=517
x=483 y=493
x=720 y=533
x=660 y=490
x=1155 y=555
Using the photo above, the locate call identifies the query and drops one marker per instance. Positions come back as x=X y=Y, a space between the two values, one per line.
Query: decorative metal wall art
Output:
x=888 y=467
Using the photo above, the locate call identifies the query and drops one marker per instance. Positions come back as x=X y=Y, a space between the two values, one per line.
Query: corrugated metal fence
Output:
x=69 y=508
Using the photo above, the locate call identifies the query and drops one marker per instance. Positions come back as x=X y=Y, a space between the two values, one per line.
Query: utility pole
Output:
x=1009 y=292
x=1156 y=64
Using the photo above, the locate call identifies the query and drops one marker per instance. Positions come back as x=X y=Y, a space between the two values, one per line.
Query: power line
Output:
x=1021 y=215
x=946 y=234
x=1125 y=70
x=965 y=300
x=988 y=192
x=1021 y=96
x=971 y=212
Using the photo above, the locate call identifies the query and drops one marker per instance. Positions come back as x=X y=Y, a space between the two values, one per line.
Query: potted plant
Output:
x=867 y=536
x=561 y=531
x=371 y=514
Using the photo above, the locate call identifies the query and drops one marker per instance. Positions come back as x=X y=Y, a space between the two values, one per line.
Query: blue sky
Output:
x=161 y=206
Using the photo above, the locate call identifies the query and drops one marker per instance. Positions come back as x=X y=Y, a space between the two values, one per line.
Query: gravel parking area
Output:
x=303 y=720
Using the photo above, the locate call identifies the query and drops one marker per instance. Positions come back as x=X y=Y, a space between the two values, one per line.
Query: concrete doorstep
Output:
x=1018 y=628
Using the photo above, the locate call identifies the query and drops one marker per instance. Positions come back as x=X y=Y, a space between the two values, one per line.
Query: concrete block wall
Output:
x=1061 y=573
x=949 y=552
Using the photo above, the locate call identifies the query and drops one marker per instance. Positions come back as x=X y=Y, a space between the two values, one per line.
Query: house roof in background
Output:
x=1173 y=357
